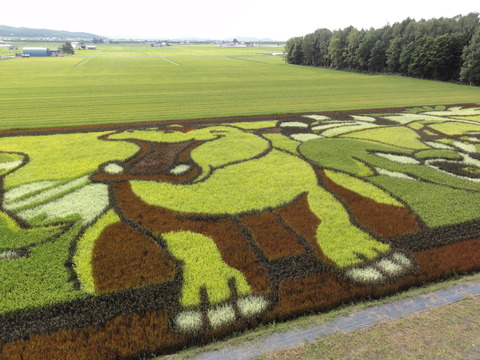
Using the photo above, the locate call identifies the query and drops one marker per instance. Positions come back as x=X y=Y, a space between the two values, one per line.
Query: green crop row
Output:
x=47 y=92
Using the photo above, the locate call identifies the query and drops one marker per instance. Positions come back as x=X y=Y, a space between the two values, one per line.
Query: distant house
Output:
x=38 y=52
x=35 y=51
x=91 y=47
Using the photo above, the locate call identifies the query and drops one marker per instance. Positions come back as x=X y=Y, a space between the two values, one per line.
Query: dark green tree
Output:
x=336 y=53
x=405 y=57
x=322 y=39
x=429 y=49
x=446 y=61
x=470 y=72
x=364 y=50
x=67 y=48
x=378 y=59
x=393 y=53
x=293 y=51
x=354 y=39
x=309 y=49
x=421 y=61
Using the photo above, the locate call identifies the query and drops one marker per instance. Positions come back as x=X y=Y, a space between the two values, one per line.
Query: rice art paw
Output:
x=382 y=270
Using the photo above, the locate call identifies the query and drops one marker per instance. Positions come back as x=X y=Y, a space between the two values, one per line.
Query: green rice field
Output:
x=152 y=199
x=137 y=83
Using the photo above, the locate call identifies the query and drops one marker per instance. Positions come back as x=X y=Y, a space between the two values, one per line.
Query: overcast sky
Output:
x=217 y=19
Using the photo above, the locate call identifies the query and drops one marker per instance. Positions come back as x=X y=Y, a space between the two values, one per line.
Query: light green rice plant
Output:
x=41 y=278
x=254 y=188
x=203 y=266
x=401 y=137
x=82 y=259
x=282 y=142
x=437 y=154
x=13 y=236
x=337 y=237
x=362 y=187
x=305 y=137
x=456 y=127
x=437 y=205
x=255 y=125
x=62 y=156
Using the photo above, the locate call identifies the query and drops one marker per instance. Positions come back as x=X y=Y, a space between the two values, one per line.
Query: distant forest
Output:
x=446 y=49
x=22 y=32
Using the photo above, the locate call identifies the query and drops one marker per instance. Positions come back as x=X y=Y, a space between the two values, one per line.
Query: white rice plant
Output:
x=295 y=124
x=366 y=275
x=469 y=148
x=438 y=145
x=348 y=128
x=401 y=259
x=317 y=117
x=113 y=169
x=401 y=159
x=394 y=174
x=389 y=267
x=9 y=254
x=221 y=315
x=180 y=169
x=363 y=118
x=189 y=321
x=48 y=194
x=251 y=305
x=456 y=111
x=10 y=165
x=87 y=202
x=407 y=118
x=25 y=189
x=328 y=126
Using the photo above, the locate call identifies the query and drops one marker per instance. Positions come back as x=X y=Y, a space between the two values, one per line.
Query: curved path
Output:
x=356 y=320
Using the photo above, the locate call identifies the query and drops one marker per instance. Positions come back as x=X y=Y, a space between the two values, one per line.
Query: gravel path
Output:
x=356 y=320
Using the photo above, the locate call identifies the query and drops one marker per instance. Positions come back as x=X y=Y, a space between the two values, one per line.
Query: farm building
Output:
x=39 y=52
x=91 y=47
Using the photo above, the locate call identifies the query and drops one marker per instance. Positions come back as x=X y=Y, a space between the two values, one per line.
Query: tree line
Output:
x=446 y=49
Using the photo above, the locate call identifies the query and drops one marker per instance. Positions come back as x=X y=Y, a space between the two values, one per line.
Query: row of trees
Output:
x=446 y=49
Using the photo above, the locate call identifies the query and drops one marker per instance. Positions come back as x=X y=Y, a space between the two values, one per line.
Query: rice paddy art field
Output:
x=127 y=240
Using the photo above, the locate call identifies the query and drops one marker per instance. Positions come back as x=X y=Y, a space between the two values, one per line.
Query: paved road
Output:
x=356 y=320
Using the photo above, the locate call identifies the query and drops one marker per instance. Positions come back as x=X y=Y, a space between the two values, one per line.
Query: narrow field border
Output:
x=83 y=62
x=170 y=61
x=358 y=319
x=207 y=120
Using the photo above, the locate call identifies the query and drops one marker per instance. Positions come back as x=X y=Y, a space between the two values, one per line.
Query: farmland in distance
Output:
x=132 y=83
